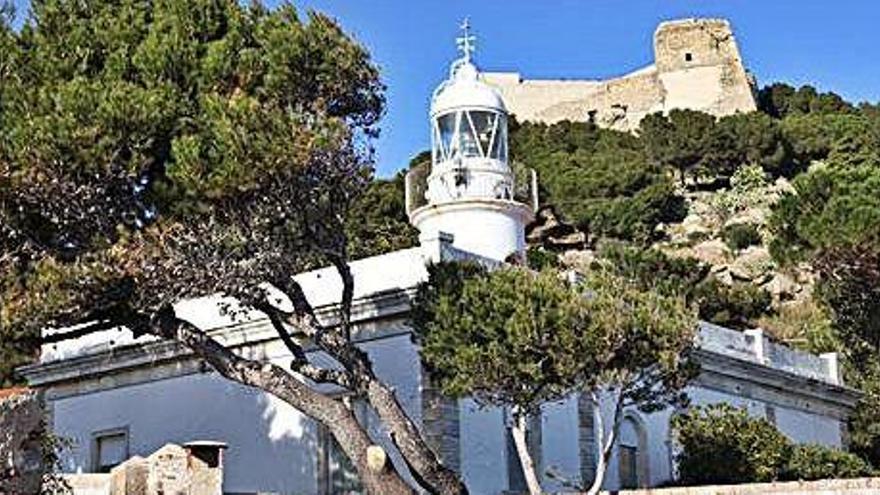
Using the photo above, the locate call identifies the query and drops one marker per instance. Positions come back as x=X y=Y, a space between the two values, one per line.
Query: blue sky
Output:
x=833 y=45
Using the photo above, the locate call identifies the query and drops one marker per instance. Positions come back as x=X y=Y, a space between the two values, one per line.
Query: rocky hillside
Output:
x=728 y=230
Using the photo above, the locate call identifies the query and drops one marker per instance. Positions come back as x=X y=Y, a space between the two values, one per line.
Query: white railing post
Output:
x=757 y=337
x=833 y=364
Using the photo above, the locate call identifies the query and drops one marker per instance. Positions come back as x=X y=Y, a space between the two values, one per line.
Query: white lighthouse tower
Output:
x=470 y=191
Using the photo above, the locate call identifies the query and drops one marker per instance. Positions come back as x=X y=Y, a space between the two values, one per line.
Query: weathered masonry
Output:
x=697 y=65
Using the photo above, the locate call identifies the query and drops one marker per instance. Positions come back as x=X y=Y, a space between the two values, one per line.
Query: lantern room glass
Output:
x=470 y=134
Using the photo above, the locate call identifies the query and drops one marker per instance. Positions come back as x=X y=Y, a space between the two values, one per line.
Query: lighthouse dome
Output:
x=464 y=90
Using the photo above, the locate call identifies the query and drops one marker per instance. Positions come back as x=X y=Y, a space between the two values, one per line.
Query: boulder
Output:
x=753 y=264
x=753 y=216
x=550 y=231
x=578 y=258
x=782 y=287
x=713 y=252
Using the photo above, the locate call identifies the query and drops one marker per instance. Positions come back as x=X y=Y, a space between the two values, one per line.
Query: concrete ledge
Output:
x=858 y=486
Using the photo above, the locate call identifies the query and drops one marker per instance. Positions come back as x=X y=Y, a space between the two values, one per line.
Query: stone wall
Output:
x=21 y=452
x=697 y=66
x=190 y=470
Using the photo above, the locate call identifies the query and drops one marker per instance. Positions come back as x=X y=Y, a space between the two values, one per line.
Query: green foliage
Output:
x=737 y=305
x=156 y=150
x=597 y=178
x=540 y=259
x=724 y=445
x=841 y=138
x=741 y=235
x=694 y=143
x=831 y=206
x=748 y=189
x=805 y=325
x=516 y=337
x=779 y=100
x=748 y=139
x=679 y=140
x=817 y=462
x=721 y=444
x=377 y=222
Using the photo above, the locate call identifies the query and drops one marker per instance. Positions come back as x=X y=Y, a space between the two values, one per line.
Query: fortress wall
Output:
x=541 y=100
x=697 y=66
x=700 y=67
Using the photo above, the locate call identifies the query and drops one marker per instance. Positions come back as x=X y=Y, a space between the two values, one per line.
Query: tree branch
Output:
x=344 y=270
x=424 y=464
x=300 y=362
x=270 y=378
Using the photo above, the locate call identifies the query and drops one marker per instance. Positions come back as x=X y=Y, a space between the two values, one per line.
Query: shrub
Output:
x=805 y=325
x=377 y=222
x=741 y=235
x=598 y=179
x=832 y=207
x=748 y=189
x=539 y=259
x=723 y=444
x=737 y=305
x=817 y=462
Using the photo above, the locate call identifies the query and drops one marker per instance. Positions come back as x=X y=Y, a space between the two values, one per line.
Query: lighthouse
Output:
x=470 y=191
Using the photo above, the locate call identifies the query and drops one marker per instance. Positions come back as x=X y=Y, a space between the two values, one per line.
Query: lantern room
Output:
x=469 y=192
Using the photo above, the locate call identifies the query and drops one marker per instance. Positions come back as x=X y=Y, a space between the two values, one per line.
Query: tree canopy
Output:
x=143 y=138
x=154 y=151
x=514 y=337
x=597 y=178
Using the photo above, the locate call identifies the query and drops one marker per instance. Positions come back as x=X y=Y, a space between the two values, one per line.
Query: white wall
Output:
x=483 y=439
x=560 y=448
x=271 y=445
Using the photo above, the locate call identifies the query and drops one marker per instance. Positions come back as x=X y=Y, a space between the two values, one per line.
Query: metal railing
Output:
x=525 y=186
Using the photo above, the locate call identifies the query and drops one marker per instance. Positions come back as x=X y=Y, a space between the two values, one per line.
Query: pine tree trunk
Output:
x=518 y=431
x=606 y=447
x=332 y=413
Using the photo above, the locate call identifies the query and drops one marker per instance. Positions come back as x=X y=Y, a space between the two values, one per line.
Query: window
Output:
x=446 y=128
x=688 y=57
x=470 y=134
x=109 y=449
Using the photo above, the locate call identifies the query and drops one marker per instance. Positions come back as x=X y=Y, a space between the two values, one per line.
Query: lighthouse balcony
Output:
x=469 y=184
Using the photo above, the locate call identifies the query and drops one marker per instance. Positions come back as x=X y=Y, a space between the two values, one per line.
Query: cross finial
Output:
x=466 y=41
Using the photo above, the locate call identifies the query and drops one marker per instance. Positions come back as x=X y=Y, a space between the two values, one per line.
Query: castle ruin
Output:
x=697 y=65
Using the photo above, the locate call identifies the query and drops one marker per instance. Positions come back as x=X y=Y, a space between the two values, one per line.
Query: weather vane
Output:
x=466 y=42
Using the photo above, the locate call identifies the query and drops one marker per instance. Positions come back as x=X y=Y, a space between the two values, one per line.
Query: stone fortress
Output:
x=697 y=65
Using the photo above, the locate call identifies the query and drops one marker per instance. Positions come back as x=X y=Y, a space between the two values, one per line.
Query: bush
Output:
x=748 y=189
x=805 y=325
x=737 y=305
x=832 y=207
x=723 y=445
x=741 y=235
x=598 y=179
x=817 y=462
x=539 y=259
x=377 y=222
